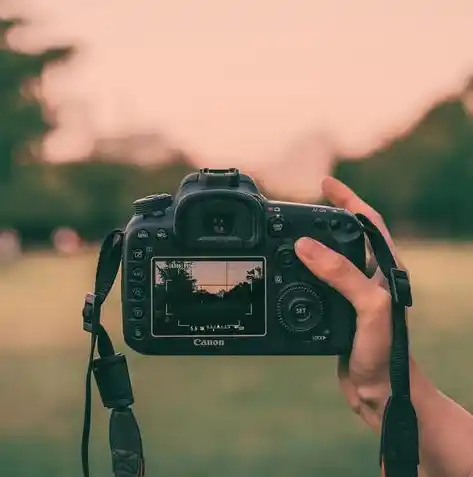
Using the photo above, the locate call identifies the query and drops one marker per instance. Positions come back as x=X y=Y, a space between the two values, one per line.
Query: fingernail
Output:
x=308 y=248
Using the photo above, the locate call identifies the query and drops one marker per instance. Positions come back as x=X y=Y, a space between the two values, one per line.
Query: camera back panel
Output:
x=185 y=300
x=220 y=276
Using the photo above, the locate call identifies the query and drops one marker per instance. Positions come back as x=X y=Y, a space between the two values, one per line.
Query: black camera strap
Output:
x=399 y=451
x=111 y=373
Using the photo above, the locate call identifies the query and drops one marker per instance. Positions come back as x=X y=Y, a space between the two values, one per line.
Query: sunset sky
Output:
x=249 y=83
x=215 y=276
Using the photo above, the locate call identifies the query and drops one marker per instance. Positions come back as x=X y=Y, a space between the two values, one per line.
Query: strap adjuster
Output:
x=400 y=287
x=90 y=312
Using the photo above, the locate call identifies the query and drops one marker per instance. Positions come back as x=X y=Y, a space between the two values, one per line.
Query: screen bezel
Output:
x=213 y=259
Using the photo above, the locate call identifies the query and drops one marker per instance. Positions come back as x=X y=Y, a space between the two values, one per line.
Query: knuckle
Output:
x=381 y=300
x=350 y=392
x=366 y=396
x=355 y=405
x=335 y=267
x=373 y=397
x=376 y=303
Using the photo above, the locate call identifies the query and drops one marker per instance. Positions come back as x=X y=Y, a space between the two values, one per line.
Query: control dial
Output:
x=299 y=308
x=152 y=203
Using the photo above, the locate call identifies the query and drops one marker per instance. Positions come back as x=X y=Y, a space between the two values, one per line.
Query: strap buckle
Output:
x=400 y=287
x=113 y=380
x=90 y=313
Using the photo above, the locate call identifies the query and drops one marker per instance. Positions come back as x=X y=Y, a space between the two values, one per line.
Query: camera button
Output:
x=137 y=293
x=285 y=256
x=335 y=224
x=138 y=313
x=137 y=274
x=276 y=226
x=350 y=227
x=138 y=254
x=152 y=203
x=319 y=222
x=300 y=310
x=162 y=234
x=138 y=334
x=142 y=234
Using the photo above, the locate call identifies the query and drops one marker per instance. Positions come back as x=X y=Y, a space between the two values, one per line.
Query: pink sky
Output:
x=217 y=275
x=248 y=83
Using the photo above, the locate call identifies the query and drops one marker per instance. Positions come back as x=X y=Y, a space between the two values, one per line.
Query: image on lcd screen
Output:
x=218 y=297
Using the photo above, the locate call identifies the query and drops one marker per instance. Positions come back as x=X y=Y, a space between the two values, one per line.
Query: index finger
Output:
x=340 y=195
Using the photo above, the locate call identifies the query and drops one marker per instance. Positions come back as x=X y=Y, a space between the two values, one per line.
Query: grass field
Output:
x=232 y=417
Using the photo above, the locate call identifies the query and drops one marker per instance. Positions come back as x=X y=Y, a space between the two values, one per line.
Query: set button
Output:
x=300 y=309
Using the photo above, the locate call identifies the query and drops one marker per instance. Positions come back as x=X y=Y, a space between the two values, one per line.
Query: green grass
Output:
x=232 y=417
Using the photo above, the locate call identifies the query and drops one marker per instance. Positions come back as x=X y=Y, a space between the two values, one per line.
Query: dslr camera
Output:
x=213 y=271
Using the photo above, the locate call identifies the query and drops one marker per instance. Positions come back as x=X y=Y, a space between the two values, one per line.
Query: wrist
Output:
x=373 y=398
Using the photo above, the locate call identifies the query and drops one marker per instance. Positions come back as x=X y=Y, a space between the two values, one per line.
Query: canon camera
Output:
x=213 y=271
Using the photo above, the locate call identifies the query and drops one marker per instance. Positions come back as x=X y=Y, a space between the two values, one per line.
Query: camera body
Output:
x=214 y=272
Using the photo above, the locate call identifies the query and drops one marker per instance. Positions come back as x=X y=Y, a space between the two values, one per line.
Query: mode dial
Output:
x=152 y=203
x=299 y=308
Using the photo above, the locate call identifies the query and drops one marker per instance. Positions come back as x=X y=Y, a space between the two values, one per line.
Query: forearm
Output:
x=445 y=428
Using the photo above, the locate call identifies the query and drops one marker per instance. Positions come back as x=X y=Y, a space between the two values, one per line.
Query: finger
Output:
x=343 y=370
x=370 y=353
x=340 y=195
x=347 y=387
x=338 y=272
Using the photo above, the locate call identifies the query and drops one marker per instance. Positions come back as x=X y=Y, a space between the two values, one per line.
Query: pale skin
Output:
x=445 y=428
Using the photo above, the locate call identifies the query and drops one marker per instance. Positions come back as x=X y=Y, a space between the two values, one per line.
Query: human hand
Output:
x=364 y=376
x=445 y=428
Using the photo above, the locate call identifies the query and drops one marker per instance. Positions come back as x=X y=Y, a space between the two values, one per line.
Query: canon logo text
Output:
x=198 y=342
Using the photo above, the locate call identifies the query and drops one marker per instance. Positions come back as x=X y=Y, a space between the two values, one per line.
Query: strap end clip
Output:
x=89 y=313
x=399 y=450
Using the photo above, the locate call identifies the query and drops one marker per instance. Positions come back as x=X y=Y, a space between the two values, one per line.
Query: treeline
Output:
x=423 y=182
x=91 y=196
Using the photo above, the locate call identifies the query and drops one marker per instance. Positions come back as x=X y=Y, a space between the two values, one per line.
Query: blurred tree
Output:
x=90 y=196
x=422 y=182
x=23 y=116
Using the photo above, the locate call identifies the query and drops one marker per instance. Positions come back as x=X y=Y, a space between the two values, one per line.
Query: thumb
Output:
x=370 y=354
x=339 y=273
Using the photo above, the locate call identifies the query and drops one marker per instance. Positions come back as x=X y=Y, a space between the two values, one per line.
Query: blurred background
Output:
x=104 y=102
